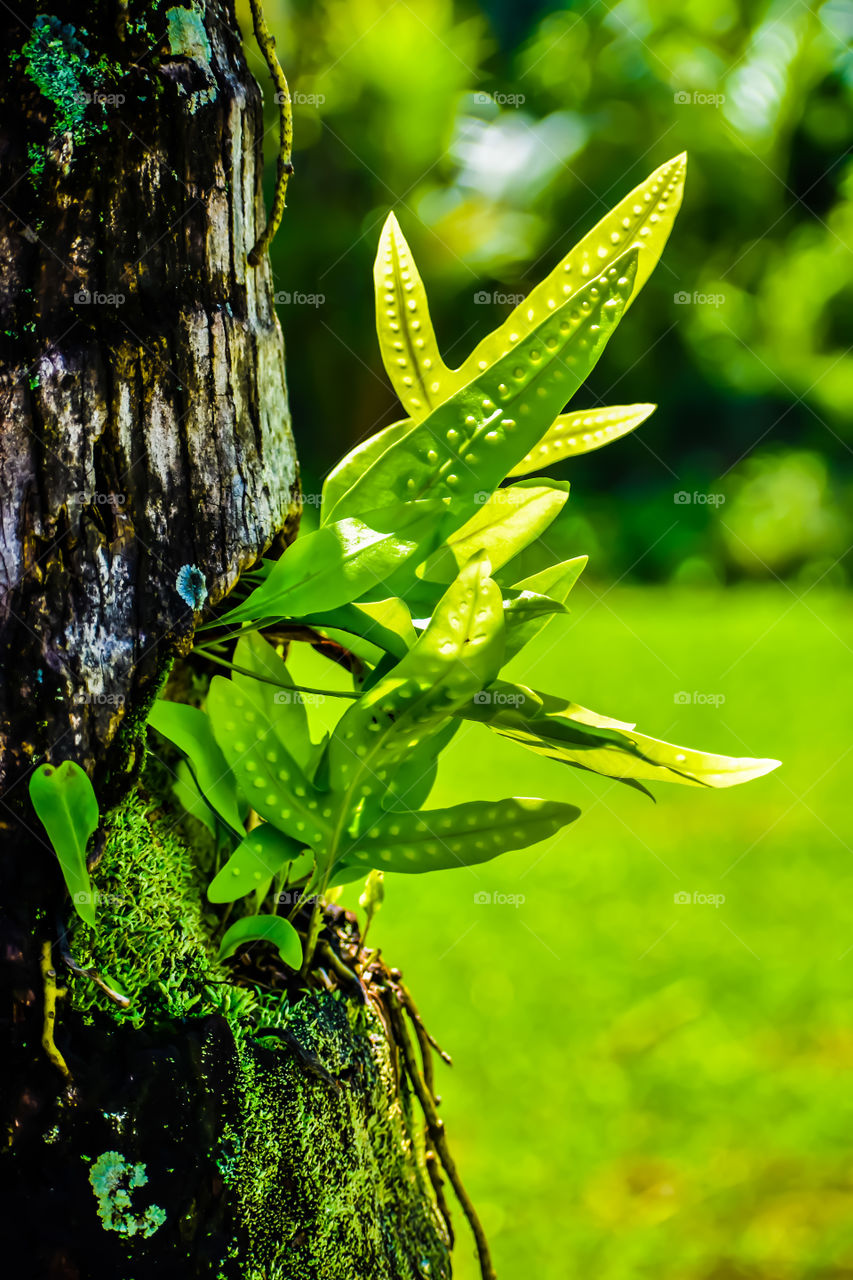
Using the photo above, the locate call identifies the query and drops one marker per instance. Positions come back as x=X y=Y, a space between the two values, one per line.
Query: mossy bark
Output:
x=206 y=1130
x=209 y=1129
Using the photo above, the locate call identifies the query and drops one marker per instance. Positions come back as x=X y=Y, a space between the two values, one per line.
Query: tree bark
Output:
x=145 y=427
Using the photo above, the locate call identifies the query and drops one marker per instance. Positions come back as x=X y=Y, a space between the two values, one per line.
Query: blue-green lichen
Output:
x=188 y=39
x=113 y=1182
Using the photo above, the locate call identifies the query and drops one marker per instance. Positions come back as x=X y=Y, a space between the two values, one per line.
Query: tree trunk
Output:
x=204 y=1131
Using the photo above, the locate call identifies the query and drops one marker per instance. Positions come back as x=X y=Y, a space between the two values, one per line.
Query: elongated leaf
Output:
x=356 y=462
x=384 y=624
x=337 y=563
x=192 y=733
x=572 y=434
x=278 y=702
x=269 y=776
x=65 y=803
x=460 y=651
x=263 y=854
x=191 y=799
x=643 y=221
x=406 y=337
x=538 y=598
x=467 y=445
x=461 y=836
x=566 y=731
x=506 y=521
x=413 y=779
x=279 y=932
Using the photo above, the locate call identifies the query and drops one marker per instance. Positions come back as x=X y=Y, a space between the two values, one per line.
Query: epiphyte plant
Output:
x=428 y=574
x=417 y=573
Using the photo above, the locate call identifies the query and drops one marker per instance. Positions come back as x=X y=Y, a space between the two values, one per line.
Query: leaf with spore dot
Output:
x=572 y=434
x=264 y=853
x=65 y=803
x=269 y=776
x=461 y=836
x=641 y=221
x=279 y=932
x=407 y=340
x=566 y=731
x=191 y=731
x=461 y=651
x=466 y=446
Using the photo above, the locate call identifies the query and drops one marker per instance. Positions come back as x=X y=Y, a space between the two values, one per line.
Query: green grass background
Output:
x=643 y=1088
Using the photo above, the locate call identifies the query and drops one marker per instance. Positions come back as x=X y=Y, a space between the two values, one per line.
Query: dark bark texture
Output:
x=143 y=401
x=144 y=428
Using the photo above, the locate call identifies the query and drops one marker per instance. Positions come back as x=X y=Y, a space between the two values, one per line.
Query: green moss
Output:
x=64 y=71
x=314 y=1143
x=151 y=940
x=113 y=1180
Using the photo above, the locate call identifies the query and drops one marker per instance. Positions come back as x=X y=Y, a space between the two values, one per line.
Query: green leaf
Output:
x=269 y=776
x=191 y=799
x=384 y=624
x=505 y=522
x=539 y=597
x=65 y=803
x=406 y=338
x=348 y=470
x=461 y=836
x=262 y=855
x=572 y=434
x=339 y=562
x=566 y=731
x=192 y=733
x=273 y=929
x=278 y=702
x=642 y=221
x=467 y=445
x=460 y=651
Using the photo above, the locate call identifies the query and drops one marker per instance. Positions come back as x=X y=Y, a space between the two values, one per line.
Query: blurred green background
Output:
x=500 y=133
x=644 y=1086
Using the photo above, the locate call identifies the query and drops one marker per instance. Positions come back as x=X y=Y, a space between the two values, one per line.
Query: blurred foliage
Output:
x=500 y=133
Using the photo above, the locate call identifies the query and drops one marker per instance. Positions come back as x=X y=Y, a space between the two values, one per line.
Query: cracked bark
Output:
x=144 y=425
